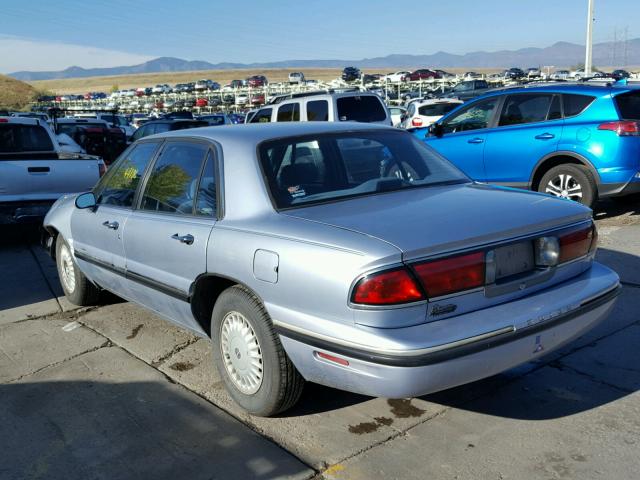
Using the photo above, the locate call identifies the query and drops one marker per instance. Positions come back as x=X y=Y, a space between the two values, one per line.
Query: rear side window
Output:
x=575 y=104
x=173 y=183
x=119 y=186
x=361 y=109
x=16 y=138
x=262 y=116
x=318 y=111
x=629 y=105
x=437 y=109
x=289 y=113
x=528 y=108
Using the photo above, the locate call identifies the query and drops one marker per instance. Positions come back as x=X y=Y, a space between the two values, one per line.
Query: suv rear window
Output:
x=437 y=109
x=366 y=108
x=575 y=104
x=16 y=138
x=629 y=105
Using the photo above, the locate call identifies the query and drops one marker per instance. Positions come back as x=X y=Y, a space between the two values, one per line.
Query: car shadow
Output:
x=608 y=208
x=109 y=430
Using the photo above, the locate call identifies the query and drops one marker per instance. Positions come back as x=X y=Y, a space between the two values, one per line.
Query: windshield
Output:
x=314 y=169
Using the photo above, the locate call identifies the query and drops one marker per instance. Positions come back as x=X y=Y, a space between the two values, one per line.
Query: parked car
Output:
x=471 y=75
x=397 y=113
x=466 y=90
x=514 y=73
x=421 y=74
x=166 y=125
x=296 y=77
x=161 y=88
x=560 y=75
x=35 y=170
x=96 y=136
x=241 y=99
x=620 y=74
x=350 y=74
x=579 y=142
x=119 y=121
x=359 y=259
x=534 y=72
x=331 y=107
x=202 y=102
x=396 y=77
x=578 y=74
x=257 y=81
x=216 y=119
x=425 y=112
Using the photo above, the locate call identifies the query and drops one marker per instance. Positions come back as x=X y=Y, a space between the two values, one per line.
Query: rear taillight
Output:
x=102 y=169
x=623 y=128
x=416 y=122
x=391 y=287
x=577 y=243
x=451 y=275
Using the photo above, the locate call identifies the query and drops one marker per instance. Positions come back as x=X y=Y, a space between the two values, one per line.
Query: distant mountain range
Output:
x=560 y=54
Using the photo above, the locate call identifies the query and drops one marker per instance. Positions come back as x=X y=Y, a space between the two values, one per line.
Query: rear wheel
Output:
x=76 y=286
x=573 y=182
x=249 y=356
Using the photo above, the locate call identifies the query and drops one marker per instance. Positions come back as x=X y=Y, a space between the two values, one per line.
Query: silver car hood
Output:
x=433 y=220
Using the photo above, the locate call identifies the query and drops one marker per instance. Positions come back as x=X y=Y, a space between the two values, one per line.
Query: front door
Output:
x=167 y=235
x=464 y=137
x=97 y=233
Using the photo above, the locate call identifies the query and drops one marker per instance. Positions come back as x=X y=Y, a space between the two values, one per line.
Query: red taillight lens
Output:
x=416 y=122
x=387 y=288
x=623 y=128
x=450 y=275
x=577 y=243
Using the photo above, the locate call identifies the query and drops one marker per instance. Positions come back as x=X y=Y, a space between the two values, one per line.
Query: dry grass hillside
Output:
x=14 y=94
x=105 y=84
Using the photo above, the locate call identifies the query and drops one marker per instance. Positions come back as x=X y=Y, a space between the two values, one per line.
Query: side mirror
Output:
x=86 y=200
x=435 y=130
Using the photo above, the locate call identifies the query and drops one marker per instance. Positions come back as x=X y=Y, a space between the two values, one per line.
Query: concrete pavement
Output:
x=116 y=392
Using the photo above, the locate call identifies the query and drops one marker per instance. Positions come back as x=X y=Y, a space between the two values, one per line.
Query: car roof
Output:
x=21 y=120
x=81 y=120
x=256 y=133
x=434 y=101
x=571 y=87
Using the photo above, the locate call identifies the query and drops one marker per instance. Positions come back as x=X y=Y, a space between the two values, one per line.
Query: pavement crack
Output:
x=174 y=350
x=566 y=368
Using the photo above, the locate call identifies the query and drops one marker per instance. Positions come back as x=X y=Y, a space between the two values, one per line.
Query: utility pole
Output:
x=589 y=47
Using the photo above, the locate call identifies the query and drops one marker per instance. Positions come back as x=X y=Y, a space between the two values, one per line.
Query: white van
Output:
x=327 y=107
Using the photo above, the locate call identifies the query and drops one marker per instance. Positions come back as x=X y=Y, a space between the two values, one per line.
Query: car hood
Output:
x=433 y=220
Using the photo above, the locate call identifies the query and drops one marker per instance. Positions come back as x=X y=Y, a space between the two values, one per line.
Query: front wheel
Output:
x=573 y=182
x=249 y=356
x=76 y=286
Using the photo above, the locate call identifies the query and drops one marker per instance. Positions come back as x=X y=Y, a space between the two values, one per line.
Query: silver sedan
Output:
x=345 y=254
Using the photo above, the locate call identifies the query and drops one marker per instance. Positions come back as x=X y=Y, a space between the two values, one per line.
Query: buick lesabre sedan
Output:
x=345 y=254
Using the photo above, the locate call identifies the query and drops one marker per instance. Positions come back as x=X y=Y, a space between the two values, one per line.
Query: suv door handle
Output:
x=545 y=136
x=111 y=225
x=476 y=140
x=188 y=239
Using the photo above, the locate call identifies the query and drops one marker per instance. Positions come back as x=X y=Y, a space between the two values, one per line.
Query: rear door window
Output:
x=16 y=138
x=366 y=108
x=575 y=104
x=262 y=116
x=318 y=111
x=289 y=113
x=526 y=108
x=628 y=105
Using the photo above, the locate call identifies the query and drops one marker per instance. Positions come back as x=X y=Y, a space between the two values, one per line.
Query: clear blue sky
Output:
x=39 y=34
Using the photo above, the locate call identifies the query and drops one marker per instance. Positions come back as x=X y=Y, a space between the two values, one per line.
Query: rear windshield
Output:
x=24 y=138
x=437 y=109
x=184 y=125
x=361 y=109
x=629 y=105
x=71 y=128
x=315 y=169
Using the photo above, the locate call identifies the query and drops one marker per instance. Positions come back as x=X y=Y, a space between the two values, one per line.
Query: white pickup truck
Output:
x=35 y=171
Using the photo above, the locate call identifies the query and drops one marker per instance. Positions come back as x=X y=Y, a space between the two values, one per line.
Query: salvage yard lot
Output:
x=114 y=391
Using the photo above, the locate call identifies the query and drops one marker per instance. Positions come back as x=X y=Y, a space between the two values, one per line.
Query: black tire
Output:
x=281 y=385
x=84 y=292
x=580 y=175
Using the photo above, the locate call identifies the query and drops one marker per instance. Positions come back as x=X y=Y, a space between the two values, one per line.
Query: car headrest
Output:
x=298 y=173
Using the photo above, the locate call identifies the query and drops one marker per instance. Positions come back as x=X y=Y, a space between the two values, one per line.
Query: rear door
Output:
x=529 y=127
x=166 y=237
x=97 y=233
x=465 y=133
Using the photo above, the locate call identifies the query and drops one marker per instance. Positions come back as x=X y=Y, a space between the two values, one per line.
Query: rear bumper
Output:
x=24 y=212
x=438 y=367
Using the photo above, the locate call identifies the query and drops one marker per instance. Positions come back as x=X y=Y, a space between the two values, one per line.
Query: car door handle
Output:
x=111 y=225
x=545 y=136
x=188 y=239
x=476 y=140
x=38 y=169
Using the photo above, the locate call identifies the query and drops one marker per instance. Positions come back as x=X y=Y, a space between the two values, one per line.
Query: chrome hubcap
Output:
x=67 y=269
x=241 y=353
x=565 y=186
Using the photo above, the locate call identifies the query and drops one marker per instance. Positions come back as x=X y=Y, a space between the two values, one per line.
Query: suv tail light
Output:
x=578 y=243
x=391 y=287
x=450 y=275
x=624 y=128
x=416 y=122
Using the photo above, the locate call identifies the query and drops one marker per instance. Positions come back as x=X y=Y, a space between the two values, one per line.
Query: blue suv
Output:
x=576 y=141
